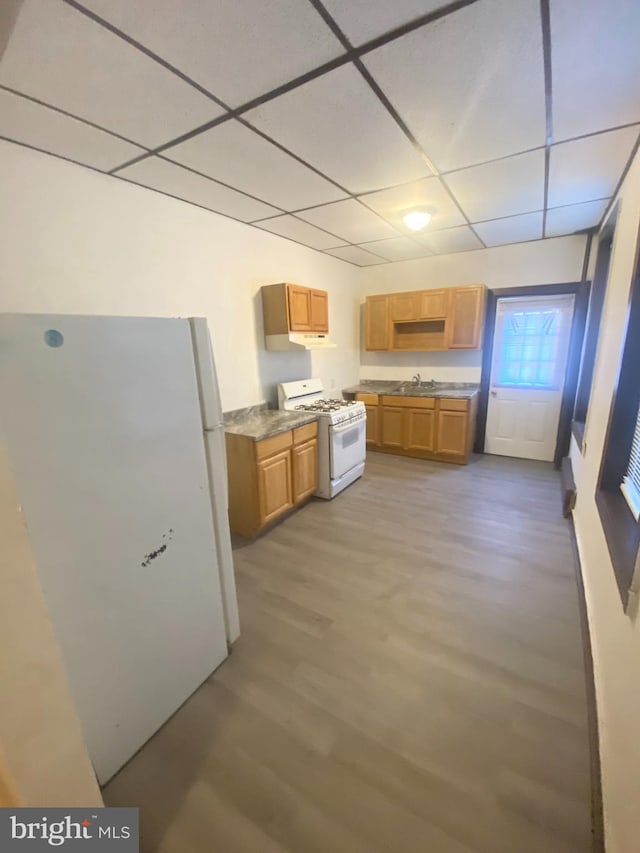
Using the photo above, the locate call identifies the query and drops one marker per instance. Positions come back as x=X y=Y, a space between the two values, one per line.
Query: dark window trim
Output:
x=594 y=319
x=581 y=291
x=621 y=530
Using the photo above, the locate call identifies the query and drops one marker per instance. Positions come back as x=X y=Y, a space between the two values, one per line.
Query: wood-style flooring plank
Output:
x=409 y=678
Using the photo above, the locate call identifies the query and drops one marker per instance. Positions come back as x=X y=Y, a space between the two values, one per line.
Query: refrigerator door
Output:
x=217 y=466
x=101 y=417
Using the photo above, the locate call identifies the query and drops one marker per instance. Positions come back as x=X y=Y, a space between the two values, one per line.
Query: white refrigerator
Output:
x=113 y=427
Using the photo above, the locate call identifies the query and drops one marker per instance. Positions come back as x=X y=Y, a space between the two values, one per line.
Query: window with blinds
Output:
x=631 y=482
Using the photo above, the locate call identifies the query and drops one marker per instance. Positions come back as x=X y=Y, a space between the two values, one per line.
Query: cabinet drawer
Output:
x=274 y=444
x=409 y=402
x=450 y=405
x=368 y=399
x=304 y=433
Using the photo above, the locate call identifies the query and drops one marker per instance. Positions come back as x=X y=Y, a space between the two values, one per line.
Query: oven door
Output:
x=347 y=446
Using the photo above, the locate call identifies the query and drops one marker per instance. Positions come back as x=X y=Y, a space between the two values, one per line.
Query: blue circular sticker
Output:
x=53 y=338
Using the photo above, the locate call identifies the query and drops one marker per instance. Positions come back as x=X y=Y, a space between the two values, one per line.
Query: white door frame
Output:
x=581 y=291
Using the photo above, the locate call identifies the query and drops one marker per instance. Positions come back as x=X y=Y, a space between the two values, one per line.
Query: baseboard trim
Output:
x=597 y=816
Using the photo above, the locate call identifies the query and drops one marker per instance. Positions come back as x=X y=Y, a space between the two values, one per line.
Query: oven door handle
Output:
x=348 y=425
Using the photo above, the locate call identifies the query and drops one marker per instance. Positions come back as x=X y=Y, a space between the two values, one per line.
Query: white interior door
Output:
x=529 y=362
x=102 y=422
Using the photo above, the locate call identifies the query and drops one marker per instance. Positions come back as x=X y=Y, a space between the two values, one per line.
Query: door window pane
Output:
x=529 y=348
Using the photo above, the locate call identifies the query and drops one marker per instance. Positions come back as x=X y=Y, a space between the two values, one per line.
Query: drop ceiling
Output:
x=323 y=121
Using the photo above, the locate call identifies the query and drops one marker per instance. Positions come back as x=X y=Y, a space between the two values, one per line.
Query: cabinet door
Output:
x=420 y=429
x=372 y=424
x=299 y=308
x=392 y=426
x=377 y=323
x=320 y=311
x=434 y=304
x=305 y=469
x=405 y=307
x=452 y=433
x=274 y=485
x=466 y=317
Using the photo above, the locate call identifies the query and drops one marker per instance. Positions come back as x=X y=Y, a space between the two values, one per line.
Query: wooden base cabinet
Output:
x=425 y=427
x=420 y=430
x=275 y=494
x=270 y=477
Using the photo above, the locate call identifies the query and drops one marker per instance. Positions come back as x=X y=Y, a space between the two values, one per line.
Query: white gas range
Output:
x=341 y=433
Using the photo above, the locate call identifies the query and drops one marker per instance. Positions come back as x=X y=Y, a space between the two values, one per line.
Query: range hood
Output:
x=298 y=341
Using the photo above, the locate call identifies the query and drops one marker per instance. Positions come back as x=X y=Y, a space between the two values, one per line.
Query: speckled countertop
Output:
x=258 y=422
x=463 y=390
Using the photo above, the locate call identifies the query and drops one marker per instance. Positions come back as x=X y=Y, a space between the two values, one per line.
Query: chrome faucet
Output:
x=417 y=379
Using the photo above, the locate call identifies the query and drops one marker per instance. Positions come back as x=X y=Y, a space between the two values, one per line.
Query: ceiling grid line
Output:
x=67 y=114
x=83 y=10
x=625 y=171
x=384 y=100
x=545 y=19
x=236 y=112
x=567 y=180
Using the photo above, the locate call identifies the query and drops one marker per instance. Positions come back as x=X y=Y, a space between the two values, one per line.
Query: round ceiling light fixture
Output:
x=416 y=220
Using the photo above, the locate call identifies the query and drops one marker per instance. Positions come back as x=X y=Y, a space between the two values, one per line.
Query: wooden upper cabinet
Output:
x=377 y=323
x=426 y=320
x=319 y=311
x=434 y=304
x=299 y=308
x=293 y=308
x=405 y=307
x=466 y=317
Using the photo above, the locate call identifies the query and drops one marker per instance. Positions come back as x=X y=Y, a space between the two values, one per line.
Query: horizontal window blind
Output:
x=631 y=482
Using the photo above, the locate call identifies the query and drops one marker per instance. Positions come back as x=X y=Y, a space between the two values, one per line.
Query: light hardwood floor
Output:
x=409 y=678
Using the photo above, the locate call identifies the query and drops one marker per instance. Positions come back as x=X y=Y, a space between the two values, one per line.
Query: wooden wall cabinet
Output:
x=424 y=427
x=293 y=308
x=425 y=320
x=377 y=323
x=434 y=304
x=268 y=478
x=466 y=317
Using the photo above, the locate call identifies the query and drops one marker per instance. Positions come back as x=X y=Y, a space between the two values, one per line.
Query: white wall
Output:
x=542 y=262
x=75 y=241
x=615 y=636
x=40 y=735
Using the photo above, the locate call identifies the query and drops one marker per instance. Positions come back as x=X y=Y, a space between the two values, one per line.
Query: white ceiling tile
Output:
x=236 y=50
x=397 y=249
x=161 y=175
x=337 y=123
x=470 y=86
x=296 y=229
x=349 y=220
x=513 y=229
x=236 y=155
x=58 y=55
x=44 y=128
x=356 y=255
x=595 y=65
x=427 y=193
x=450 y=241
x=362 y=20
x=574 y=217
x=589 y=168
x=502 y=188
